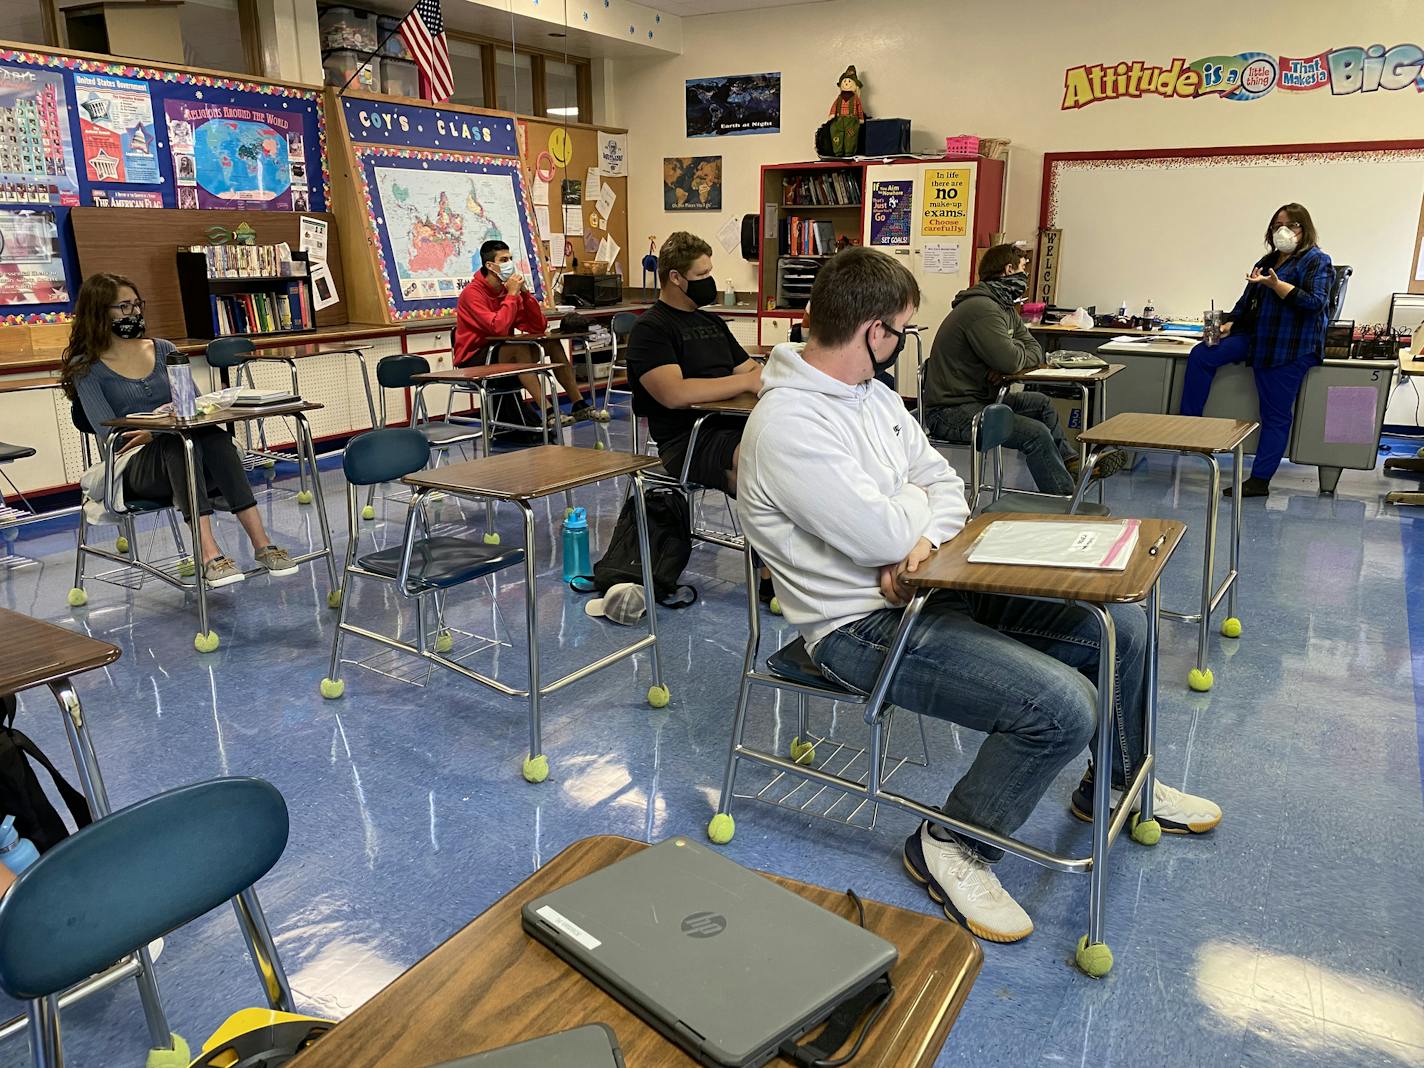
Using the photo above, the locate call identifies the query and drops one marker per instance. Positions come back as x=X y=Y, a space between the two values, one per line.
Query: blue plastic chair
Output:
x=421 y=566
x=131 y=877
x=622 y=328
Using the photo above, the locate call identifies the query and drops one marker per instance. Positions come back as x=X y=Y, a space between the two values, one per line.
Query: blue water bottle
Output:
x=17 y=853
x=576 y=562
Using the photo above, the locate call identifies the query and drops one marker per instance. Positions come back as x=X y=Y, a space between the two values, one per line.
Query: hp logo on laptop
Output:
x=704 y=925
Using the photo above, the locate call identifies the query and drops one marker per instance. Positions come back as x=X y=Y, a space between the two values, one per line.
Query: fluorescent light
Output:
x=562 y=111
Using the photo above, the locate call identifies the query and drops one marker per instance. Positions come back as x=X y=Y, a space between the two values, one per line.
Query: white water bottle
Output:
x=181 y=386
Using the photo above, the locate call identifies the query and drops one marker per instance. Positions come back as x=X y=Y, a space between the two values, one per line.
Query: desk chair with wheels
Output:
x=10 y=516
x=234 y=354
x=991 y=429
x=422 y=567
x=125 y=880
x=791 y=670
x=93 y=513
x=621 y=328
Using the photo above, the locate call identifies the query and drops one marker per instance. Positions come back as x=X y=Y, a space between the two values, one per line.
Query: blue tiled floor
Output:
x=1290 y=936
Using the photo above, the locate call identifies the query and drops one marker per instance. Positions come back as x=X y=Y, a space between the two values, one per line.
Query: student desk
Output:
x=207 y=639
x=1410 y=366
x=536 y=341
x=35 y=653
x=1090 y=382
x=521 y=478
x=1206 y=438
x=741 y=404
x=948 y=568
x=491 y=985
x=290 y=354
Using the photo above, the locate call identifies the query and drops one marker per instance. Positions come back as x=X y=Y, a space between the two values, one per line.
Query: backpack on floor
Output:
x=669 y=539
x=20 y=792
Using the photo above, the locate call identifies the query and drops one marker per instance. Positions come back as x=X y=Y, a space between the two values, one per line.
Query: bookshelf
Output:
x=220 y=299
x=814 y=205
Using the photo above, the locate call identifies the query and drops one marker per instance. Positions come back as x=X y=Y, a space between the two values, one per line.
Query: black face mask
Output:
x=881 y=366
x=129 y=327
x=701 y=291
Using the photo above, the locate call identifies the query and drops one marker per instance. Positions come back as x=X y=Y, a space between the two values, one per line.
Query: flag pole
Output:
x=380 y=45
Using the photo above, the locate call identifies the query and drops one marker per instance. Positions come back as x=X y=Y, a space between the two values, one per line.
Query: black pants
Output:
x=158 y=472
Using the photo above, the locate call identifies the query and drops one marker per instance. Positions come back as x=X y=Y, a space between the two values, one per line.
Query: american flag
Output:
x=423 y=31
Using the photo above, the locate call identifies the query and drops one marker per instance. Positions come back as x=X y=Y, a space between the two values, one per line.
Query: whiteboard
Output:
x=1182 y=231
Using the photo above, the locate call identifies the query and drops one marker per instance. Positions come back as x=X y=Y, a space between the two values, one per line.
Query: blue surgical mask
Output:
x=504 y=270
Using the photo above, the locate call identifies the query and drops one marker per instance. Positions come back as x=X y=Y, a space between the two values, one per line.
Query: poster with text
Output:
x=945 y=212
x=36 y=153
x=692 y=183
x=31 y=268
x=613 y=154
x=116 y=130
x=890 y=212
x=233 y=156
x=736 y=104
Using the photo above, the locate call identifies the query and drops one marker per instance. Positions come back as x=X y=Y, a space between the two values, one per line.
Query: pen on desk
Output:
x=1157 y=545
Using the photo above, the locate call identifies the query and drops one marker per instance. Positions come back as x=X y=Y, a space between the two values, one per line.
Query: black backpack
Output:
x=20 y=792
x=669 y=539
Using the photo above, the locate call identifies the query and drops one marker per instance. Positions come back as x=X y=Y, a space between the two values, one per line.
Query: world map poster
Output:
x=435 y=214
x=231 y=156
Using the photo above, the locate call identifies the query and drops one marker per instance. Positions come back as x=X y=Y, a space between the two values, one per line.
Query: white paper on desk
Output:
x=541 y=191
x=313 y=239
x=324 y=293
x=557 y=246
x=607 y=196
x=573 y=220
x=541 y=220
x=608 y=250
x=730 y=235
x=1062 y=372
x=941 y=258
x=1095 y=546
x=592 y=184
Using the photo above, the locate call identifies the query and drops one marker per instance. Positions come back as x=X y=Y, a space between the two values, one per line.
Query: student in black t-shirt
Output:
x=678 y=356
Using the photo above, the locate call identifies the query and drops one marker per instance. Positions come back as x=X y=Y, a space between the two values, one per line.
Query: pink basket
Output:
x=1032 y=313
x=963 y=145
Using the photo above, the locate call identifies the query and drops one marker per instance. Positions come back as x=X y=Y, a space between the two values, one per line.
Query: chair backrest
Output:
x=229 y=351
x=1339 y=286
x=384 y=455
x=623 y=323
x=398 y=372
x=133 y=876
x=996 y=423
x=79 y=419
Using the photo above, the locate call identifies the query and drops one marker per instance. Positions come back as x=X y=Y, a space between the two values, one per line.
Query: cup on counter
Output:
x=1211 y=327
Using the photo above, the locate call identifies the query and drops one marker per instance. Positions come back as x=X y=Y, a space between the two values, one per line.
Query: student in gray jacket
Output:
x=982 y=340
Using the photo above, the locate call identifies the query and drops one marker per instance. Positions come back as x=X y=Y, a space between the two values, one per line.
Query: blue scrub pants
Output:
x=1276 y=389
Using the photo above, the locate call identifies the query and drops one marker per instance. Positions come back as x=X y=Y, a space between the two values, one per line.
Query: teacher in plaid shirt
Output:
x=1278 y=329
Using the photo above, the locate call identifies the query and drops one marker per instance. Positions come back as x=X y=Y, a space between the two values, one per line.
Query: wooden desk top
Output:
x=1171 y=345
x=741 y=404
x=299 y=352
x=1409 y=364
x=19 y=385
x=33 y=652
x=1057 y=376
x=1179 y=433
x=490 y=984
x=217 y=418
x=949 y=567
x=531 y=473
x=481 y=371
x=547 y=335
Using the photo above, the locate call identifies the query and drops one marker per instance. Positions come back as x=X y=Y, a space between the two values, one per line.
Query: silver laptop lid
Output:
x=726 y=961
x=590 y=1046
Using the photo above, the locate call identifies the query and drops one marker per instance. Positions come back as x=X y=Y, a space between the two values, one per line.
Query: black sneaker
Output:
x=1252 y=487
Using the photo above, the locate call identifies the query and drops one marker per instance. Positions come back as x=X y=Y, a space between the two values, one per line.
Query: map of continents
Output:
x=436 y=222
x=243 y=161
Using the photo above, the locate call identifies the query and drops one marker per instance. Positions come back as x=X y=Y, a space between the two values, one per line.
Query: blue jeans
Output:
x=1021 y=672
x=1037 y=434
x=1276 y=390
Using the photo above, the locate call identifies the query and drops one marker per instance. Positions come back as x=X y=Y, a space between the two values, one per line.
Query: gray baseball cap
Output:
x=624 y=603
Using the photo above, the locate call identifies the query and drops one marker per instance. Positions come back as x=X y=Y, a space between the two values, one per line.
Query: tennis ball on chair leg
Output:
x=1095 y=960
x=1200 y=679
x=77 y=598
x=304 y=496
x=331 y=689
x=368 y=512
x=536 y=768
x=721 y=828
x=206 y=643
x=1231 y=627
x=802 y=752
x=492 y=537
x=1146 y=832
x=659 y=696
x=177 y=1057
x=121 y=545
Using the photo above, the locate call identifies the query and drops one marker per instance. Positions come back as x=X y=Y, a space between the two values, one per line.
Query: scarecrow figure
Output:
x=846 y=114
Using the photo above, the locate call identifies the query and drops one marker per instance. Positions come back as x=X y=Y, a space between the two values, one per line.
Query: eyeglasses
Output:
x=1289 y=226
x=128 y=307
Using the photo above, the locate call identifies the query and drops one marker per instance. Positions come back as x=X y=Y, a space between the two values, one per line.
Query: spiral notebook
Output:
x=1092 y=546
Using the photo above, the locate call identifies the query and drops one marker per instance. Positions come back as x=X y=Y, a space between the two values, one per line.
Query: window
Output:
x=514 y=81
x=467 y=64
x=213 y=35
x=561 y=95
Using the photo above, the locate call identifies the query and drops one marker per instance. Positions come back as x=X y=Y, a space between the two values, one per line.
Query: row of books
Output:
x=262 y=313
x=246 y=261
x=809 y=237
x=833 y=187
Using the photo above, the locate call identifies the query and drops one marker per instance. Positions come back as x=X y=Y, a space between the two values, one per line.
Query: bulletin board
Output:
x=579 y=145
x=1182 y=227
x=99 y=135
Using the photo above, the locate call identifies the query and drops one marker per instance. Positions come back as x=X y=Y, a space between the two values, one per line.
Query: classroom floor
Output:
x=1290 y=936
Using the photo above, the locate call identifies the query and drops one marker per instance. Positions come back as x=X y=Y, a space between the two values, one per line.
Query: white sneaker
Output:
x=960 y=880
x=1176 y=811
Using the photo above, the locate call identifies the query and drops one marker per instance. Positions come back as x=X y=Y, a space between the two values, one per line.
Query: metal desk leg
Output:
x=1231 y=625
x=1149 y=709
x=1093 y=955
x=366 y=384
x=307 y=445
x=880 y=692
x=1200 y=677
x=658 y=694
x=206 y=640
x=487 y=445
x=536 y=767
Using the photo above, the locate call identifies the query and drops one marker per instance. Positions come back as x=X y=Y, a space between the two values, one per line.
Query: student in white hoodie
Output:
x=842 y=495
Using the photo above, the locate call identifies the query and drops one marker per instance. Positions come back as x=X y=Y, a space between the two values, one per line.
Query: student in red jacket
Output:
x=498 y=303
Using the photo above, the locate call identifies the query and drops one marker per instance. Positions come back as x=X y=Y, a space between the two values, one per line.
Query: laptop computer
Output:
x=590 y=1046
x=720 y=960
